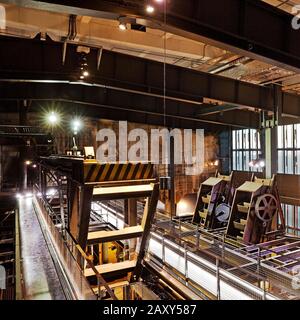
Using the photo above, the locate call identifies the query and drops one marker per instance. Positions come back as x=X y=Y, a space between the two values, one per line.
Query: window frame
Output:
x=245 y=149
x=294 y=149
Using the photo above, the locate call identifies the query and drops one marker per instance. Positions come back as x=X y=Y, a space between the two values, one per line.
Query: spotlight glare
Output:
x=122 y=26
x=50 y=192
x=53 y=118
x=182 y=206
x=262 y=164
x=150 y=9
x=76 y=125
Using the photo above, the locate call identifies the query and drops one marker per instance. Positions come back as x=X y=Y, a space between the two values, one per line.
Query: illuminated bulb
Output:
x=27 y=162
x=53 y=118
x=122 y=26
x=85 y=74
x=82 y=77
x=150 y=9
x=182 y=206
x=76 y=124
x=262 y=164
x=51 y=192
x=34 y=166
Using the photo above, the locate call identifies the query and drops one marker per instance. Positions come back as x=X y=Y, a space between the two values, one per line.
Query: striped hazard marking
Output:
x=96 y=172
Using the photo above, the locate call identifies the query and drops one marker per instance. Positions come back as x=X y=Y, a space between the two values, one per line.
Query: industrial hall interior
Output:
x=149 y=150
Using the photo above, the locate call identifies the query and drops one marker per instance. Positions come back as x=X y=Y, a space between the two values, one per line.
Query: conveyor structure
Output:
x=199 y=264
x=71 y=184
x=254 y=213
x=213 y=192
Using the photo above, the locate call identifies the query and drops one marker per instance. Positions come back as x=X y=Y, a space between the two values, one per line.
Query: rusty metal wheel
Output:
x=266 y=207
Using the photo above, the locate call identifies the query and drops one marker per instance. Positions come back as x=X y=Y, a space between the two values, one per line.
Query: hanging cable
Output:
x=165 y=62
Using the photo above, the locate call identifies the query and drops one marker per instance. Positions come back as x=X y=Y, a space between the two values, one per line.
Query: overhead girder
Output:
x=215 y=109
x=102 y=102
x=247 y=27
x=42 y=60
x=134 y=82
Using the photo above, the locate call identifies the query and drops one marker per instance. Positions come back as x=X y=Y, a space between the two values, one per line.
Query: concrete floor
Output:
x=40 y=278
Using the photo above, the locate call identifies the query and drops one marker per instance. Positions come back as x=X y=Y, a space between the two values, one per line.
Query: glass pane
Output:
x=289 y=136
x=281 y=161
x=297 y=164
x=246 y=139
x=290 y=217
x=239 y=139
x=253 y=155
x=234 y=160
x=289 y=162
x=239 y=160
x=246 y=160
x=253 y=138
x=258 y=140
x=234 y=139
x=297 y=136
x=280 y=137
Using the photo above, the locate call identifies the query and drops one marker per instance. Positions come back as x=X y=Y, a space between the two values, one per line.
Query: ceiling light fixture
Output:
x=53 y=118
x=150 y=9
x=76 y=125
x=122 y=26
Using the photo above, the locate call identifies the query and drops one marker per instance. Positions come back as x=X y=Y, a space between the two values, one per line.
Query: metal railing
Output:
x=66 y=250
x=269 y=281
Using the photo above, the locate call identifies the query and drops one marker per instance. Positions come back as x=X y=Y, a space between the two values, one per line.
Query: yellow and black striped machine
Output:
x=94 y=172
x=88 y=180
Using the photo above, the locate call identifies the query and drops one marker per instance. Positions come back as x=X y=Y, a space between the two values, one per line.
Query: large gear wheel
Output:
x=266 y=207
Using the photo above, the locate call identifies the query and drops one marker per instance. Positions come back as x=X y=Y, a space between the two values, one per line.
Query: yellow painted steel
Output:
x=97 y=172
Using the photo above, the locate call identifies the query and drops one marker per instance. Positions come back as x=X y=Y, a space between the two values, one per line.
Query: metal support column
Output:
x=61 y=203
x=131 y=219
x=152 y=204
x=23 y=152
x=171 y=170
x=271 y=151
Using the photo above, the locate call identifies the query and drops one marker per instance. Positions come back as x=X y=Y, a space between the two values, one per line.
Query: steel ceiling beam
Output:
x=105 y=103
x=247 y=27
x=215 y=109
x=42 y=61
